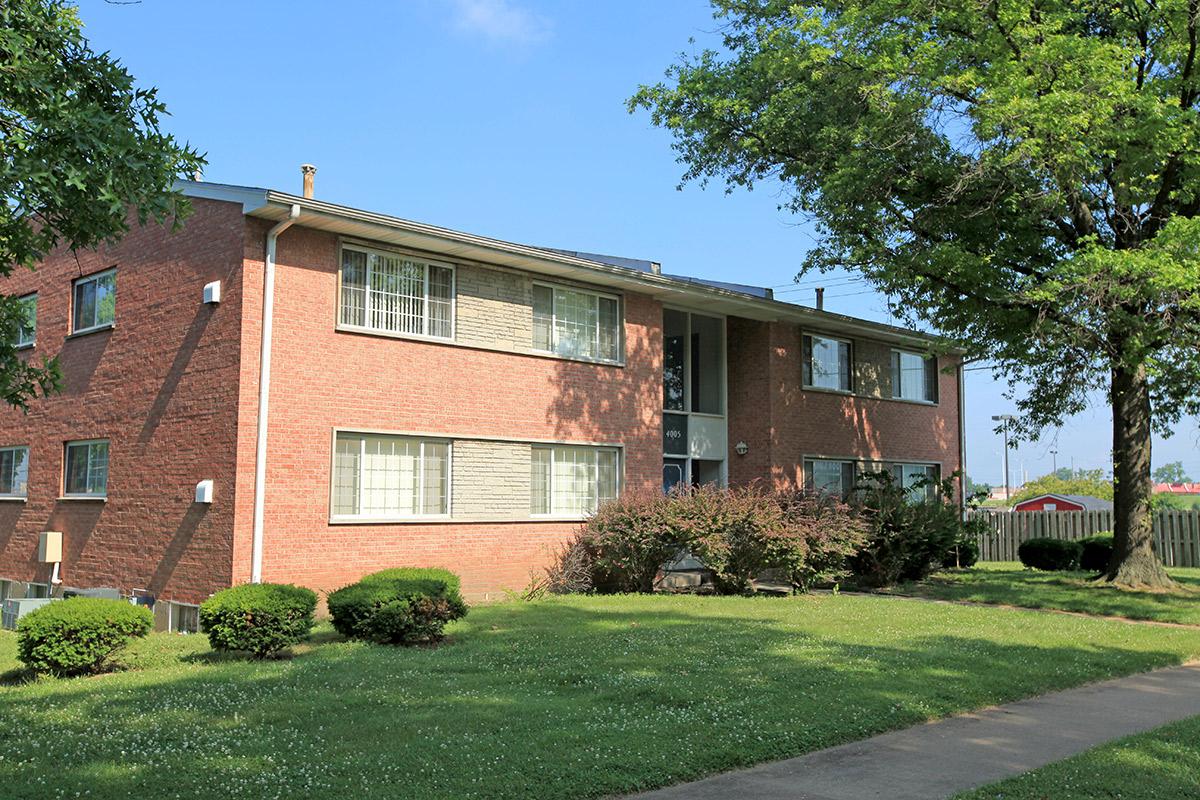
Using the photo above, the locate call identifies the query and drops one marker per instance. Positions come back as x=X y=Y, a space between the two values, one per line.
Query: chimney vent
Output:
x=821 y=299
x=308 y=171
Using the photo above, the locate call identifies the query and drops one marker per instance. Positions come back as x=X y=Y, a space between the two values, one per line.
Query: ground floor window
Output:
x=919 y=479
x=572 y=481
x=377 y=476
x=184 y=618
x=691 y=472
x=829 y=476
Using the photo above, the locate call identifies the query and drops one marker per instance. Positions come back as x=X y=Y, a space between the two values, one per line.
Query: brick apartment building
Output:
x=432 y=398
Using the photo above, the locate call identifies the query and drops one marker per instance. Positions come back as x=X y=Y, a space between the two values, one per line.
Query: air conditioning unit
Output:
x=17 y=607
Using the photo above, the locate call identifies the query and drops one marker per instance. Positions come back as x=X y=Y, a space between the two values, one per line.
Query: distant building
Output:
x=1177 y=488
x=1063 y=502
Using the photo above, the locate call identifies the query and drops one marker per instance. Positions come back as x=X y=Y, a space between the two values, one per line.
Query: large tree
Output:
x=1023 y=175
x=80 y=146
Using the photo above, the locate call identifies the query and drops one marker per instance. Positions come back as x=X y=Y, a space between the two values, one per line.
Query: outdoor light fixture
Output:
x=741 y=448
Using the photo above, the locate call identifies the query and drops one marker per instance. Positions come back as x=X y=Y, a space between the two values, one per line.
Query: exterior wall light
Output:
x=741 y=448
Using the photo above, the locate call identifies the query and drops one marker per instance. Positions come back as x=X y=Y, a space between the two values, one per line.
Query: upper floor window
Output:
x=378 y=476
x=95 y=301
x=86 y=469
x=827 y=363
x=828 y=476
x=14 y=471
x=27 y=326
x=572 y=481
x=392 y=293
x=576 y=324
x=914 y=376
x=693 y=362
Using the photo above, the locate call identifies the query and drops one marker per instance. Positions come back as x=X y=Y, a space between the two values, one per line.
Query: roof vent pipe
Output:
x=308 y=171
x=821 y=298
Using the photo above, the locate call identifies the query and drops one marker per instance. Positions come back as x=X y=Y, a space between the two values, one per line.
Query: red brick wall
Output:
x=782 y=423
x=324 y=379
x=162 y=386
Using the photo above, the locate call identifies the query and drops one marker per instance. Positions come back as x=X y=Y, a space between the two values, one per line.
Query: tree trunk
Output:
x=1134 y=562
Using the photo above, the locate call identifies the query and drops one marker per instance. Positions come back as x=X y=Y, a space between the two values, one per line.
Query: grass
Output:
x=1162 y=764
x=1009 y=583
x=566 y=697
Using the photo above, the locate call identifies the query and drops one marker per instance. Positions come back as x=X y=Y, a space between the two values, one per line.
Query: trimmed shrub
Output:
x=1095 y=552
x=258 y=618
x=1049 y=554
x=398 y=606
x=79 y=635
x=964 y=554
x=912 y=531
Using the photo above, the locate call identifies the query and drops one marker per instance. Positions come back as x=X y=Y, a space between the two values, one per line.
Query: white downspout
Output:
x=264 y=393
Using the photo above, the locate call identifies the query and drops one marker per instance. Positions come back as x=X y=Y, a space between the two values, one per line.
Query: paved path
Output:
x=941 y=758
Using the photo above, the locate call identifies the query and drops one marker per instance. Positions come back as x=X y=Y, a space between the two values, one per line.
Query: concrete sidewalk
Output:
x=941 y=758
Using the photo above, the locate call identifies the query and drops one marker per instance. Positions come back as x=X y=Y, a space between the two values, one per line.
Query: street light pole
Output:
x=1005 y=419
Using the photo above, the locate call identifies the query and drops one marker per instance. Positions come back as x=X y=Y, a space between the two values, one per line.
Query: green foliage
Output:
x=80 y=146
x=910 y=534
x=79 y=635
x=1178 y=502
x=737 y=533
x=1023 y=178
x=258 y=618
x=962 y=555
x=398 y=606
x=1171 y=473
x=1095 y=552
x=1085 y=482
x=1051 y=555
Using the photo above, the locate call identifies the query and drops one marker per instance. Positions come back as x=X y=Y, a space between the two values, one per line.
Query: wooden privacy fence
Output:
x=1176 y=533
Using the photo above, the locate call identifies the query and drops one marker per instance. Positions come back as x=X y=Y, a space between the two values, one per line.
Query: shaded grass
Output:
x=1162 y=764
x=566 y=697
x=1010 y=583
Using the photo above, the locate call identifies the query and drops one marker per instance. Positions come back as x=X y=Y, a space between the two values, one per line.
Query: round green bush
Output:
x=1049 y=554
x=1096 y=552
x=258 y=618
x=398 y=606
x=79 y=635
x=964 y=554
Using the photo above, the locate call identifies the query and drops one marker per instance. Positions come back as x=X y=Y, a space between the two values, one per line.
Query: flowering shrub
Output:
x=736 y=533
x=398 y=606
x=79 y=635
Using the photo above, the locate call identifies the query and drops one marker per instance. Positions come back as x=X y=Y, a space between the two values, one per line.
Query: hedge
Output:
x=258 y=618
x=1049 y=554
x=79 y=635
x=398 y=606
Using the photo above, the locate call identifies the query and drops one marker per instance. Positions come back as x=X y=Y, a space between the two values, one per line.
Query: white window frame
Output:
x=14 y=495
x=32 y=340
x=807 y=367
x=553 y=351
x=94 y=277
x=426 y=263
x=107 y=473
x=335 y=518
x=925 y=359
x=595 y=450
x=855 y=464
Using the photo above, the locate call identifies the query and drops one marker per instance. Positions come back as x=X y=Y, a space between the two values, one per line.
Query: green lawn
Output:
x=569 y=697
x=1163 y=764
x=1010 y=583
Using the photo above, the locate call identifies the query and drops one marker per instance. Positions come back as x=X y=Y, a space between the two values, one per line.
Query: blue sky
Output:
x=505 y=118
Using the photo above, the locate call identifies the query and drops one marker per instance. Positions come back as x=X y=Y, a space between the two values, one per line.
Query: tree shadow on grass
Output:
x=557 y=699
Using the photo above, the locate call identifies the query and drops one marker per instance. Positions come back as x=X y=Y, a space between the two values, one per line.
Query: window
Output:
x=827 y=363
x=919 y=479
x=914 y=376
x=86 y=469
x=387 y=477
x=576 y=324
x=27 y=328
x=14 y=471
x=829 y=477
x=183 y=618
x=95 y=301
x=693 y=362
x=396 y=294
x=572 y=481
